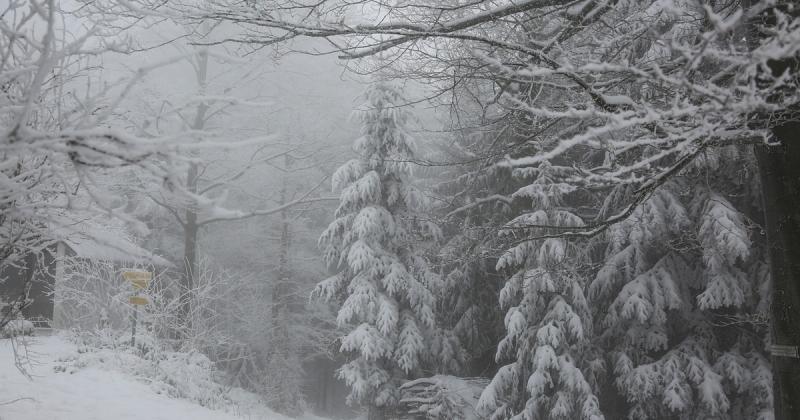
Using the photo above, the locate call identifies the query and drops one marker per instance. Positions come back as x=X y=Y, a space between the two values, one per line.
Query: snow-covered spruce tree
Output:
x=675 y=298
x=375 y=244
x=548 y=323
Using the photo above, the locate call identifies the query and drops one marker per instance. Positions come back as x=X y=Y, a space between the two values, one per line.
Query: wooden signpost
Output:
x=140 y=280
x=138 y=300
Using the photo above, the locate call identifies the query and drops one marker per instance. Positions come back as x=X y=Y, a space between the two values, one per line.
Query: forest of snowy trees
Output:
x=540 y=209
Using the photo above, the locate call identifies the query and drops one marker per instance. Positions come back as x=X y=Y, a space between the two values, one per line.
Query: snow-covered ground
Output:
x=60 y=390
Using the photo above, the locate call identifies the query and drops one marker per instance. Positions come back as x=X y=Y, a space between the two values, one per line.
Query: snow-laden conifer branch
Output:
x=594 y=228
x=674 y=110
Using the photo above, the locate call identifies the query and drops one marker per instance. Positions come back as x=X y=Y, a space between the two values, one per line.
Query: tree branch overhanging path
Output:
x=669 y=134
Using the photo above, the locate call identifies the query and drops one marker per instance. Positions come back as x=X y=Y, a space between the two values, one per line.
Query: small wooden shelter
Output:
x=35 y=276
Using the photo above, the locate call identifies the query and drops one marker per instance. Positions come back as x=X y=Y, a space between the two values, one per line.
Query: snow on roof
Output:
x=112 y=249
x=96 y=240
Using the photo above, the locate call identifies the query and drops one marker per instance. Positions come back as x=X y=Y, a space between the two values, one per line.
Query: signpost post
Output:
x=140 y=280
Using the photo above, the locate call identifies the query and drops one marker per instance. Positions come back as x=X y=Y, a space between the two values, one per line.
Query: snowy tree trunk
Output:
x=280 y=292
x=285 y=352
x=191 y=227
x=780 y=178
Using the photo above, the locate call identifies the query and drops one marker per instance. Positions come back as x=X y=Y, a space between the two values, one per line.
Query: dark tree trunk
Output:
x=780 y=178
x=780 y=184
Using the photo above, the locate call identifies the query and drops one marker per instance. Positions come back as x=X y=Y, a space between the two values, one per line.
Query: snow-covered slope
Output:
x=95 y=391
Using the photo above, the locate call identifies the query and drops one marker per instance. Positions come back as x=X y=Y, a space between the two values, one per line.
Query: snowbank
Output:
x=72 y=383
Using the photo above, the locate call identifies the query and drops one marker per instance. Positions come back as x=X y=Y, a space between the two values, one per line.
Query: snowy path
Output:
x=87 y=394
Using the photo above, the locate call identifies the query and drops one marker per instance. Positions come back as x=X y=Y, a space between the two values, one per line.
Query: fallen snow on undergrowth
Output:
x=16 y=327
x=70 y=380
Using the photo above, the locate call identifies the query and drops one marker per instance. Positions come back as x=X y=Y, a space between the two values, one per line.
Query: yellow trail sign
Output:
x=139 y=279
x=138 y=300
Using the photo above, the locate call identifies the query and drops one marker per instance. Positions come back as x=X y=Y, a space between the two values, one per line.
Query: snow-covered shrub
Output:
x=229 y=324
x=92 y=294
x=189 y=375
x=442 y=397
x=92 y=299
x=16 y=327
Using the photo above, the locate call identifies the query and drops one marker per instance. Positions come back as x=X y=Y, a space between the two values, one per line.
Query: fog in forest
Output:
x=403 y=209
